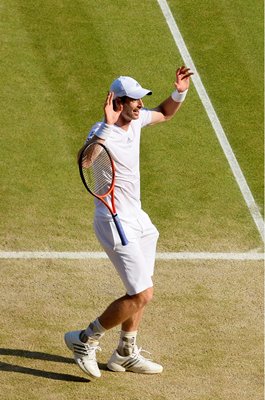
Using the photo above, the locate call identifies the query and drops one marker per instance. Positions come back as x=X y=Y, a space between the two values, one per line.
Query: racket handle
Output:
x=120 y=230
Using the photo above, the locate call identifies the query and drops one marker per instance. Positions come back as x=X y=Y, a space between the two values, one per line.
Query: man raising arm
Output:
x=124 y=117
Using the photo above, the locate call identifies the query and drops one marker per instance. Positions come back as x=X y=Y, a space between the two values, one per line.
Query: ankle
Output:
x=94 y=331
x=127 y=343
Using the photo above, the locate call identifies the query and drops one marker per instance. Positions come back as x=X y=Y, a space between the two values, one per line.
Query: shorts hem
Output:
x=137 y=291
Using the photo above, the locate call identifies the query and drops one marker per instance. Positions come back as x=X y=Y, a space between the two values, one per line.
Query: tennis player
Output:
x=120 y=132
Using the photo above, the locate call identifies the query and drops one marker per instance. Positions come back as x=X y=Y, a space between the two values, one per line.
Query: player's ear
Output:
x=116 y=103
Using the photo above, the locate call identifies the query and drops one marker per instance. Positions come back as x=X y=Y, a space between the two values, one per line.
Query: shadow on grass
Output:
x=36 y=355
x=37 y=372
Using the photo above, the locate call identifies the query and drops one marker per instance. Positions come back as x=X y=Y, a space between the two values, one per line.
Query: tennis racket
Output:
x=97 y=171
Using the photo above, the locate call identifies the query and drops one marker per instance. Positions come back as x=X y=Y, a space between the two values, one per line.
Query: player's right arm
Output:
x=111 y=117
x=92 y=139
x=101 y=131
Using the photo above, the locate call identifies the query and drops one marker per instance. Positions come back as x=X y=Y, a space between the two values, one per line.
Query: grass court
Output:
x=205 y=324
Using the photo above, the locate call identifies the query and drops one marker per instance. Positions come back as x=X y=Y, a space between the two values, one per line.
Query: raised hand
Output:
x=111 y=114
x=182 y=82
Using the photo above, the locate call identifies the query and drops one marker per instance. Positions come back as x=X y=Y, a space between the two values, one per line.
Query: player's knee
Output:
x=145 y=297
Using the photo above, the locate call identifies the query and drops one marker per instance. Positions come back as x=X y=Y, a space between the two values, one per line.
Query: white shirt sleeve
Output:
x=93 y=130
x=146 y=117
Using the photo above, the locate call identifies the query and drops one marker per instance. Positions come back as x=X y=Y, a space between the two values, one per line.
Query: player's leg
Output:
x=133 y=323
x=128 y=334
x=147 y=242
x=85 y=343
x=131 y=265
x=128 y=357
x=126 y=310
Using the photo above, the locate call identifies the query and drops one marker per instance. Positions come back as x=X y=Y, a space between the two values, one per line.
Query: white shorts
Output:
x=135 y=261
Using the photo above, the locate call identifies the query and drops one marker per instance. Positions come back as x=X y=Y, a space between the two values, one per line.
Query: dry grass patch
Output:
x=205 y=326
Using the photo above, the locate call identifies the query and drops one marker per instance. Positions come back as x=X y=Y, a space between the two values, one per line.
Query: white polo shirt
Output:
x=124 y=147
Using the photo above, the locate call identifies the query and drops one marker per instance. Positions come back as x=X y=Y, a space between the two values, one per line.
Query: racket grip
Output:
x=120 y=230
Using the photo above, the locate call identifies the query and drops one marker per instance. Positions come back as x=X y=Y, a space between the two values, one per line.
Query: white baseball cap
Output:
x=126 y=86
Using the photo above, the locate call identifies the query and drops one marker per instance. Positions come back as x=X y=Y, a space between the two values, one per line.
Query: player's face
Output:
x=131 y=109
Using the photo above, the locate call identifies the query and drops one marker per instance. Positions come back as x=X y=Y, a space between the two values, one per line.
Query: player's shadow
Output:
x=4 y=366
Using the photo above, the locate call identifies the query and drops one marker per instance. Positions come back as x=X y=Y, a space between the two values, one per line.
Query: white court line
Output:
x=238 y=174
x=83 y=255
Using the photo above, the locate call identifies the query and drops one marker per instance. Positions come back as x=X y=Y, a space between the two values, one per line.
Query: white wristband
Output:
x=179 y=97
x=104 y=131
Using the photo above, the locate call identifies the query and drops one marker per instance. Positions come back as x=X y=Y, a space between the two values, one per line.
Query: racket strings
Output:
x=98 y=174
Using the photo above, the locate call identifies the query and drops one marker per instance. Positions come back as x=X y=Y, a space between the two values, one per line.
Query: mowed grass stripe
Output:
x=56 y=70
x=219 y=131
x=226 y=48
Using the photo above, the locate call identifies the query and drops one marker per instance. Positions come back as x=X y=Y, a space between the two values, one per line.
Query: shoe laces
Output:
x=139 y=350
x=91 y=350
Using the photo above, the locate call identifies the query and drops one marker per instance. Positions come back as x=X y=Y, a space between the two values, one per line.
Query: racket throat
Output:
x=120 y=230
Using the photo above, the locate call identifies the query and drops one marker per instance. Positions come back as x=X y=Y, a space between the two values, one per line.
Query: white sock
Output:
x=127 y=343
x=94 y=331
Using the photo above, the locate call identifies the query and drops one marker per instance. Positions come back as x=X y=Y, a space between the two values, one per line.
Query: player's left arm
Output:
x=168 y=108
x=111 y=117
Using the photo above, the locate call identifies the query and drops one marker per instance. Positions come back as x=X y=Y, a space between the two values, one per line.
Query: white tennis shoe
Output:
x=134 y=363
x=84 y=353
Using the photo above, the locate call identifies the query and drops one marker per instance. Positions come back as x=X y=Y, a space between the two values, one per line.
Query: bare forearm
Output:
x=168 y=108
x=91 y=140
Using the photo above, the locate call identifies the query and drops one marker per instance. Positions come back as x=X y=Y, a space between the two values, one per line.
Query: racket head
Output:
x=97 y=169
